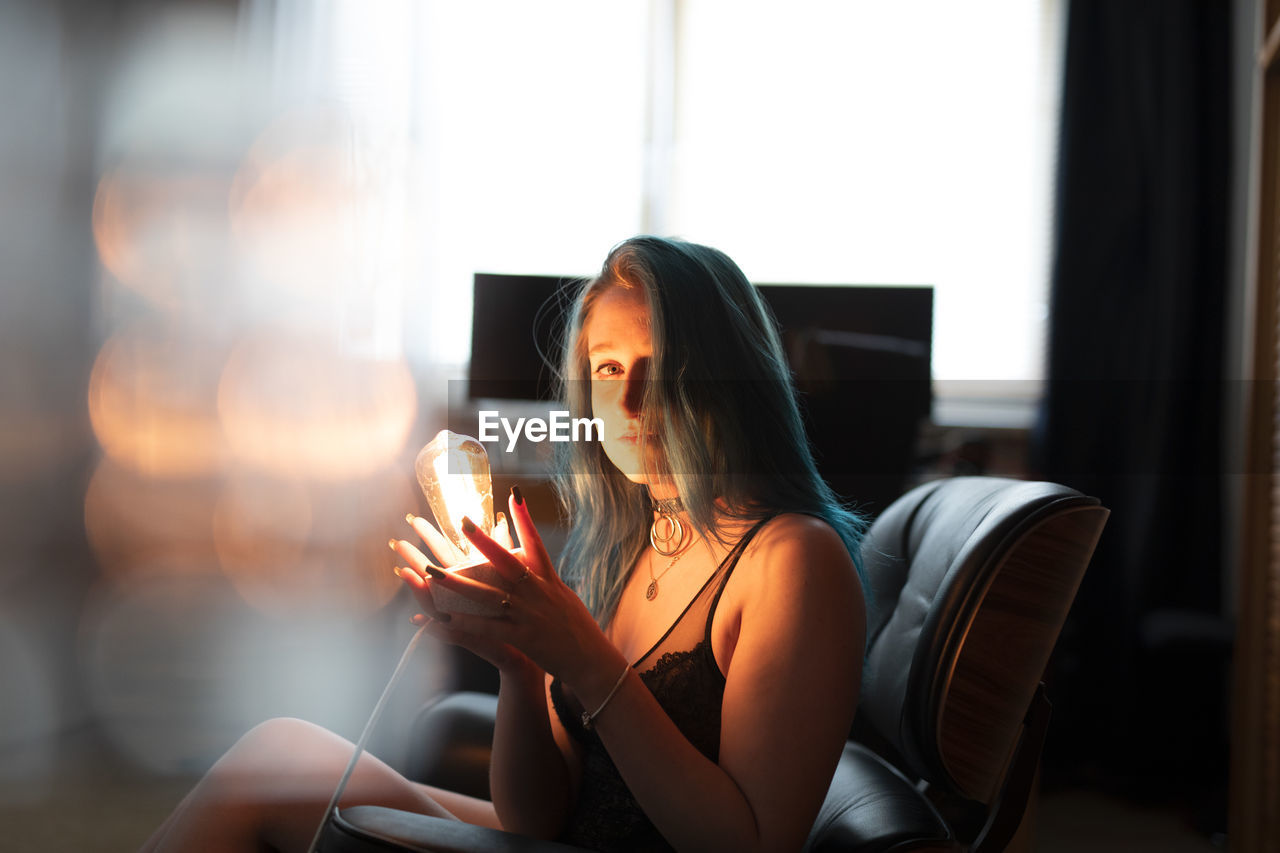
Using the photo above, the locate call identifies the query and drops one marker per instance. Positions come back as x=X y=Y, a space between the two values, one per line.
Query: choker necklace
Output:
x=666 y=535
x=651 y=592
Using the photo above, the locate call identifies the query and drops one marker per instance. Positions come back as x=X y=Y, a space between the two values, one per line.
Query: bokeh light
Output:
x=298 y=408
x=140 y=524
x=160 y=232
x=261 y=528
x=151 y=402
x=301 y=205
x=292 y=549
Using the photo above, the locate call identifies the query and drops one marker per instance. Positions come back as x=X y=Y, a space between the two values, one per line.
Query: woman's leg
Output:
x=466 y=809
x=270 y=790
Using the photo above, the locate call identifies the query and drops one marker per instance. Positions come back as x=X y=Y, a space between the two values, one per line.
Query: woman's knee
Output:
x=282 y=745
x=281 y=731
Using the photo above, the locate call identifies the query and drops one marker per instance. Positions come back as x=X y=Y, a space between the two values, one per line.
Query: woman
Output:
x=697 y=693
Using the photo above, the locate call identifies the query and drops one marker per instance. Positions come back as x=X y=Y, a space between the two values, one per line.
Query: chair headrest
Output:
x=930 y=558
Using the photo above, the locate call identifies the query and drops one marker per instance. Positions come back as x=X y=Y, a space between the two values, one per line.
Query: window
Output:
x=817 y=142
x=883 y=143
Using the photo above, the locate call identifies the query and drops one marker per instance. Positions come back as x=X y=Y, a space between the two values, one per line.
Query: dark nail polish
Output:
x=468 y=526
x=515 y=493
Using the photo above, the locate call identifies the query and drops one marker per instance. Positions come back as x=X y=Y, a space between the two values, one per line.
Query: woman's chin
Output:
x=626 y=457
x=631 y=469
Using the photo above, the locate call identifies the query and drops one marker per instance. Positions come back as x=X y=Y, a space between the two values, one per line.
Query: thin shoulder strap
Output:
x=732 y=561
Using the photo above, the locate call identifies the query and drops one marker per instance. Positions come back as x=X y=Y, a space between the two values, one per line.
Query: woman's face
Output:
x=619 y=351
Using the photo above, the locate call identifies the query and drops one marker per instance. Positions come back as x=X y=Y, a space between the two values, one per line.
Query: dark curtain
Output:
x=1134 y=398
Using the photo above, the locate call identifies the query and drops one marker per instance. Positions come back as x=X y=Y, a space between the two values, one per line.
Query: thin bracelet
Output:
x=588 y=720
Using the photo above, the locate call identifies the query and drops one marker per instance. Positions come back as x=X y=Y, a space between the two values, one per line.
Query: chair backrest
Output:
x=970 y=582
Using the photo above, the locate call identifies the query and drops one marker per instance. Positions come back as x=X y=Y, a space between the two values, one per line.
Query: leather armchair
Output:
x=970 y=581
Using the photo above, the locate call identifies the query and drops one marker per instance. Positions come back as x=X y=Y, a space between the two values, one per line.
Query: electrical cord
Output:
x=364 y=735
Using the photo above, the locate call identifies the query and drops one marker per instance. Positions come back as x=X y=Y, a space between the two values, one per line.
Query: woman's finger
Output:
x=500 y=558
x=472 y=589
x=421 y=590
x=528 y=534
x=467 y=587
x=444 y=550
x=417 y=560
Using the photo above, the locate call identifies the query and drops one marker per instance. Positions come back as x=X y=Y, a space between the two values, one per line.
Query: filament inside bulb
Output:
x=462 y=496
x=453 y=471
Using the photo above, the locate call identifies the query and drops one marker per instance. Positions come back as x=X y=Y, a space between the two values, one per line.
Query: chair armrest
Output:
x=374 y=829
x=872 y=808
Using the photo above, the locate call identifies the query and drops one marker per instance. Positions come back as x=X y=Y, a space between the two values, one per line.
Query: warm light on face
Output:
x=453 y=471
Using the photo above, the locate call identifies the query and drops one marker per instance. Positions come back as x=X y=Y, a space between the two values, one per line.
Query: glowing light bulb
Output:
x=453 y=471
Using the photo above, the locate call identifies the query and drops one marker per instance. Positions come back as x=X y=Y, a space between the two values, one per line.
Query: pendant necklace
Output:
x=666 y=535
x=652 y=591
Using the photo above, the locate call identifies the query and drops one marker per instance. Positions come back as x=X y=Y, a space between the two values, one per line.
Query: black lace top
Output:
x=681 y=673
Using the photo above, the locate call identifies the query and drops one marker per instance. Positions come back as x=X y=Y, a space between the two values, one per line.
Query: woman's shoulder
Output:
x=799 y=555
x=797 y=524
x=798 y=535
x=797 y=580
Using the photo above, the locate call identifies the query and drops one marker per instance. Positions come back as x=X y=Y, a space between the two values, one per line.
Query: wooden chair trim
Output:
x=996 y=657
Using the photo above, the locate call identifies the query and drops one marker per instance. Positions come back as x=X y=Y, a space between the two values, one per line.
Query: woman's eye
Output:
x=608 y=369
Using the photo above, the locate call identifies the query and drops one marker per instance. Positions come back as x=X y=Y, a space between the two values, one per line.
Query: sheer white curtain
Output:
x=507 y=137
x=531 y=117
x=827 y=142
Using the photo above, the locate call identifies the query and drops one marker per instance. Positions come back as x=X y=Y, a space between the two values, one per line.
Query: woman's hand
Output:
x=417 y=577
x=543 y=621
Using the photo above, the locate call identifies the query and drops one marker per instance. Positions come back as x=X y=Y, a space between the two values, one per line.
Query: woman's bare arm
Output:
x=528 y=777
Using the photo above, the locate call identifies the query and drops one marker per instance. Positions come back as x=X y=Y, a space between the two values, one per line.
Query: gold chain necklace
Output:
x=652 y=591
